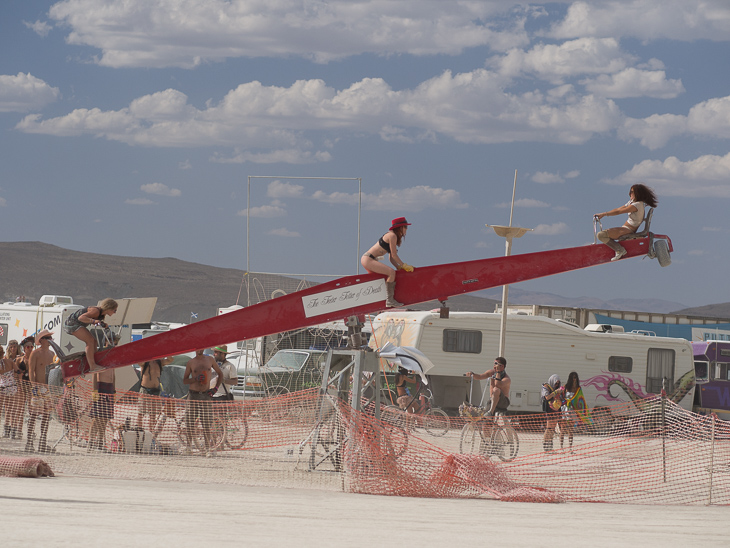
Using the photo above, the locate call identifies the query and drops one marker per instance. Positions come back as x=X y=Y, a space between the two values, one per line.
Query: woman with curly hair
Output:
x=640 y=196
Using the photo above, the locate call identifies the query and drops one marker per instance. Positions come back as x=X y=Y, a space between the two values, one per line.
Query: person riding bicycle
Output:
x=499 y=384
x=406 y=400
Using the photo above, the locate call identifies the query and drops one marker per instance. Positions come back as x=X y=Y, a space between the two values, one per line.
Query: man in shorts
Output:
x=198 y=372
x=499 y=383
x=229 y=373
x=150 y=403
x=41 y=402
x=102 y=407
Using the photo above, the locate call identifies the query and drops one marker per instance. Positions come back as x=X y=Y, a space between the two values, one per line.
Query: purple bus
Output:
x=712 y=375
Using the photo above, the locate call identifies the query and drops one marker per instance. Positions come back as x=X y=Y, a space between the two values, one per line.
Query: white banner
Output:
x=342 y=298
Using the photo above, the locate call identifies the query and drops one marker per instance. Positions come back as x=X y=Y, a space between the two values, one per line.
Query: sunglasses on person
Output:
x=46 y=338
x=28 y=346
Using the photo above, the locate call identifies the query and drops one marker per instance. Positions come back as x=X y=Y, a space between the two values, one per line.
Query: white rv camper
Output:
x=612 y=366
x=23 y=319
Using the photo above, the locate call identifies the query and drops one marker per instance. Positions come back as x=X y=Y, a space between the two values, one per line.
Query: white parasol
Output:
x=407 y=357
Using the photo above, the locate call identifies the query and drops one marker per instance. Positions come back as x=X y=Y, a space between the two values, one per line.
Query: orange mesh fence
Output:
x=644 y=452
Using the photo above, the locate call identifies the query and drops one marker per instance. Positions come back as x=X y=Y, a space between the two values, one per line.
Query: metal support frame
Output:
x=347 y=375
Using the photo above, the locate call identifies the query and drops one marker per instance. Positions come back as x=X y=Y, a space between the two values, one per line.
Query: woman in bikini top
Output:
x=388 y=244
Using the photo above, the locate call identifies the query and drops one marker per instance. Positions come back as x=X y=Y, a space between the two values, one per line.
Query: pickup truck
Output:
x=286 y=371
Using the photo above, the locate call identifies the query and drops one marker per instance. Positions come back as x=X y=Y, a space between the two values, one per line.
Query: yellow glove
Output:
x=406 y=267
x=95 y=395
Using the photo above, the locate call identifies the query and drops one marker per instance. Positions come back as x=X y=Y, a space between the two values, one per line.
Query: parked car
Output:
x=286 y=371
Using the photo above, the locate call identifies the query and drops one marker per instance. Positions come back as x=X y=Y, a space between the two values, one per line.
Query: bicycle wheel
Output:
x=215 y=436
x=471 y=442
x=436 y=422
x=236 y=431
x=327 y=441
x=394 y=415
x=217 y=433
x=395 y=439
x=504 y=443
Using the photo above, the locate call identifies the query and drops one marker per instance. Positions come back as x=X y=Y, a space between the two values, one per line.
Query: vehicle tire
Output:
x=436 y=422
x=505 y=443
x=661 y=249
x=471 y=442
x=236 y=431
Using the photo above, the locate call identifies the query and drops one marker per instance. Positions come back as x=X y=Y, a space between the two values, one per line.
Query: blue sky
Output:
x=131 y=128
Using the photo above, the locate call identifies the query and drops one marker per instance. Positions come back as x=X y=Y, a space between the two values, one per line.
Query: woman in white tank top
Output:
x=640 y=196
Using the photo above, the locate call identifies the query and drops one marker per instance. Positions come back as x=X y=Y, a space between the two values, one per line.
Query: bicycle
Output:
x=368 y=439
x=228 y=427
x=433 y=419
x=488 y=436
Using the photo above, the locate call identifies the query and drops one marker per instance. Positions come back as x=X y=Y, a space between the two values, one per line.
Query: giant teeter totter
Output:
x=359 y=295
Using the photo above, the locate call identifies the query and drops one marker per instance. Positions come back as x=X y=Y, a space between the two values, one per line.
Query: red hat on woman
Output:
x=400 y=221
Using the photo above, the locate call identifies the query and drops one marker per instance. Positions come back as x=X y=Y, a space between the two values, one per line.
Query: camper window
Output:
x=659 y=366
x=461 y=340
x=620 y=364
x=722 y=371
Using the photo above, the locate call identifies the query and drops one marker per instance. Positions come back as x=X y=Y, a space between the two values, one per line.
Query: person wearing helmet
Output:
x=388 y=244
x=552 y=397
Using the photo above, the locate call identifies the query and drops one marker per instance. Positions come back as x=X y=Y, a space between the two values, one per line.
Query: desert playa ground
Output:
x=94 y=511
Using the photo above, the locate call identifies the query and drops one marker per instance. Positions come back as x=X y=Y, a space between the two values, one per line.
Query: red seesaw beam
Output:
x=356 y=295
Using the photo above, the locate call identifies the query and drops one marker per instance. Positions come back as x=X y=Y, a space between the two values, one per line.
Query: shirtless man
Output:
x=41 y=402
x=197 y=377
x=149 y=402
x=102 y=407
x=499 y=383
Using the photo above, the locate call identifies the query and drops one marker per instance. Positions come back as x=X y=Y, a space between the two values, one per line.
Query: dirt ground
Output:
x=94 y=511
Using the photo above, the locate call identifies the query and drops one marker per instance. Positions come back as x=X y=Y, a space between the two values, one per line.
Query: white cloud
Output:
x=41 y=28
x=712 y=229
x=556 y=62
x=525 y=202
x=3 y=202
x=267 y=124
x=213 y=30
x=285 y=233
x=416 y=198
x=707 y=176
x=655 y=131
x=697 y=252
x=551 y=230
x=266 y=211
x=344 y=198
x=632 y=82
x=185 y=164
x=279 y=189
x=709 y=118
x=546 y=178
x=160 y=189
x=24 y=92
x=139 y=201
x=290 y=156
x=646 y=20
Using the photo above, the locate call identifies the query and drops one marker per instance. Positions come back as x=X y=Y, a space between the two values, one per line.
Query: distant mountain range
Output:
x=184 y=289
x=519 y=296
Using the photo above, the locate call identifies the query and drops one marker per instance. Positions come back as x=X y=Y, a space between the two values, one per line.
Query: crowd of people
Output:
x=26 y=367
